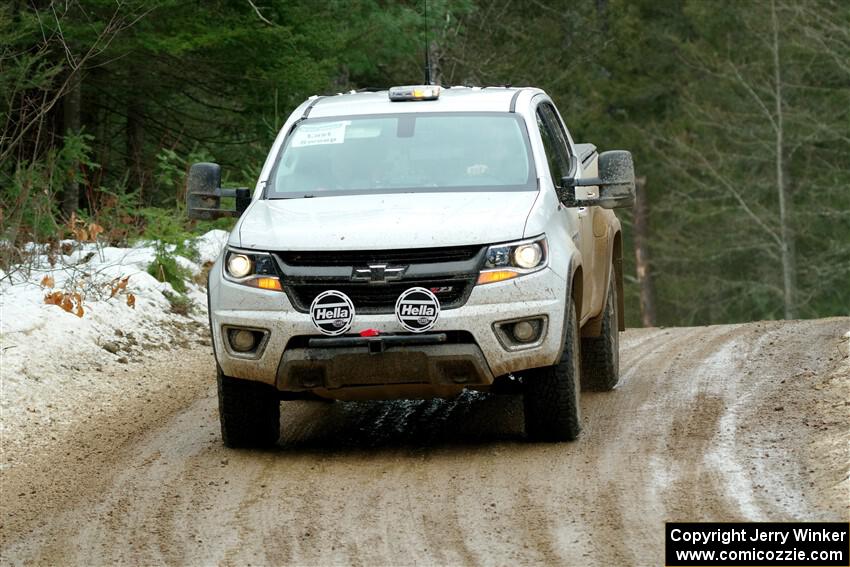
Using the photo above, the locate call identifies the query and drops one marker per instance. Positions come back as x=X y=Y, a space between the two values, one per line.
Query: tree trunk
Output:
x=644 y=271
x=135 y=144
x=788 y=252
x=71 y=125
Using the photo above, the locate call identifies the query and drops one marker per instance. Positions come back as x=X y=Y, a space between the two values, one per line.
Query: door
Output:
x=560 y=165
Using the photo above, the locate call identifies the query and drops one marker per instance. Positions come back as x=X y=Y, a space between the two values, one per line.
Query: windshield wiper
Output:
x=299 y=196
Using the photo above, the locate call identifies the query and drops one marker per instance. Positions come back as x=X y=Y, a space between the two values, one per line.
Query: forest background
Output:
x=737 y=113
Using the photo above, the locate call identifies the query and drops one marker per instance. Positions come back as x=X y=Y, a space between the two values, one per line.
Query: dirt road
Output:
x=740 y=422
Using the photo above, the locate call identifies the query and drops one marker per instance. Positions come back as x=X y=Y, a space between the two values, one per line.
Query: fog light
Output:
x=524 y=331
x=242 y=340
x=522 y=334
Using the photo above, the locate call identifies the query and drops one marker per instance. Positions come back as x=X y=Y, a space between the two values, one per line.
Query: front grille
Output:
x=381 y=298
x=449 y=272
x=365 y=257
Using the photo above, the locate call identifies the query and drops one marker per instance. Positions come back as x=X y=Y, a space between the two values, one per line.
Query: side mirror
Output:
x=204 y=193
x=616 y=183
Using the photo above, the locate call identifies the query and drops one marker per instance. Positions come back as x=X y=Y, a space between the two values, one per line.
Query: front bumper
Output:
x=339 y=367
x=286 y=359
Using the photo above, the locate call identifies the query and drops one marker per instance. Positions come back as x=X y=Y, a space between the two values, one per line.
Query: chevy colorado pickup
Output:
x=413 y=242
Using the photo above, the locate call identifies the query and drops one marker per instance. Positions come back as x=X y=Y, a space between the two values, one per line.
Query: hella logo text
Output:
x=416 y=310
x=330 y=314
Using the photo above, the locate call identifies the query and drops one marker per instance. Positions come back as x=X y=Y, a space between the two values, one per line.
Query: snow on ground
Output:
x=40 y=344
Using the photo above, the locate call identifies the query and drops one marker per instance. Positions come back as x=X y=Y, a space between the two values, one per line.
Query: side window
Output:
x=550 y=145
x=554 y=142
x=560 y=136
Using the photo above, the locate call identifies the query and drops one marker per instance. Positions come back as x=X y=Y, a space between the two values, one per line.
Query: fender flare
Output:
x=575 y=285
x=576 y=282
x=593 y=327
x=617 y=262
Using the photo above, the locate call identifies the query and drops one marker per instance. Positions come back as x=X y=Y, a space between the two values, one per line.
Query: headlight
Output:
x=238 y=265
x=528 y=255
x=256 y=269
x=514 y=259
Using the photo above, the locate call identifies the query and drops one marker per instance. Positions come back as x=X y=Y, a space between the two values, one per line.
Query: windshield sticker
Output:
x=319 y=134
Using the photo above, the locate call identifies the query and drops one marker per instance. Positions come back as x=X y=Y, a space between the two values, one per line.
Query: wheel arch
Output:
x=577 y=287
x=574 y=293
x=614 y=269
x=617 y=262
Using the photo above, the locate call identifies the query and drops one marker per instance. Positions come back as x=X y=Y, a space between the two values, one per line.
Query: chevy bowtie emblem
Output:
x=378 y=273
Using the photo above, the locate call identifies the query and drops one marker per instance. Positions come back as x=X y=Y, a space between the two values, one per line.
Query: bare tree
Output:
x=71 y=105
x=640 y=229
x=786 y=230
x=750 y=114
x=28 y=115
x=40 y=80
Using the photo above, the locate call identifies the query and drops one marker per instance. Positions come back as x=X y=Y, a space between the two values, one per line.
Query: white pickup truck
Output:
x=413 y=242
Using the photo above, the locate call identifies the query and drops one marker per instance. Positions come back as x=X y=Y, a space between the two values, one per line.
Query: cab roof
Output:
x=452 y=99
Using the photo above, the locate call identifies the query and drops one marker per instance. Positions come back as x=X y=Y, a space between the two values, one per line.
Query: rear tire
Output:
x=552 y=393
x=249 y=412
x=600 y=356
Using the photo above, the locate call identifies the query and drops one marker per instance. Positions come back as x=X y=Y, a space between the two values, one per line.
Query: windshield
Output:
x=404 y=153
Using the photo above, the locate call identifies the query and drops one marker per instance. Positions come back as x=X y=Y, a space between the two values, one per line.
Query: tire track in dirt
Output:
x=691 y=433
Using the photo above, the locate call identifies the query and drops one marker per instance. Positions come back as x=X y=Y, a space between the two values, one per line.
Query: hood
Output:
x=389 y=221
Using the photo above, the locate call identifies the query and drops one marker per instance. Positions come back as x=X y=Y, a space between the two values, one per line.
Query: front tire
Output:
x=552 y=393
x=600 y=356
x=249 y=412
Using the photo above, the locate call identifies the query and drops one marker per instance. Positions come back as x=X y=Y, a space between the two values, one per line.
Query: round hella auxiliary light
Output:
x=528 y=255
x=417 y=309
x=239 y=265
x=332 y=312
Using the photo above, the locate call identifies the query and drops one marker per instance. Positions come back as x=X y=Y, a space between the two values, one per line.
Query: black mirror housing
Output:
x=616 y=182
x=617 y=173
x=204 y=193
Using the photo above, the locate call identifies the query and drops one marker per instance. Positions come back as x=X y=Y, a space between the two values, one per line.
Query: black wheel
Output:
x=551 y=395
x=249 y=412
x=600 y=356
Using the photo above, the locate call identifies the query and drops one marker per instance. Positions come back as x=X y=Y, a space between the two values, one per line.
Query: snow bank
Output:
x=125 y=312
x=209 y=246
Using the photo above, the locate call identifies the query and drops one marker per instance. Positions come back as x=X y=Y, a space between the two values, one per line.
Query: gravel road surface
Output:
x=721 y=423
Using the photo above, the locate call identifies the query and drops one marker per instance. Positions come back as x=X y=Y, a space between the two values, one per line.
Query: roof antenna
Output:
x=427 y=49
